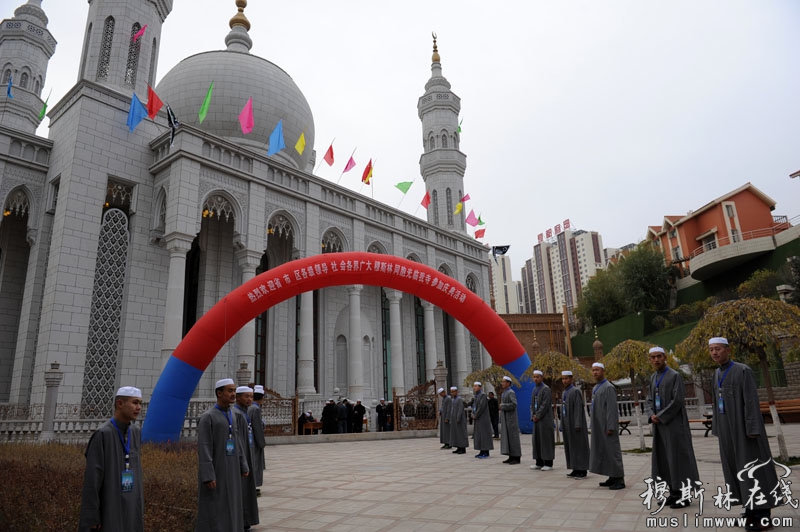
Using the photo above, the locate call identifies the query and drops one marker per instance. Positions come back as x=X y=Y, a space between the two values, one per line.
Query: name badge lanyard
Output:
x=658 y=393
x=229 y=444
x=594 y=392
x=127 y=475
x=720 y=402
x=249 y=426
x=564 y=402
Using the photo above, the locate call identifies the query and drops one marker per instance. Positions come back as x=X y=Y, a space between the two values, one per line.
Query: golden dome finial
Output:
x=239 y=19
x=435 y=58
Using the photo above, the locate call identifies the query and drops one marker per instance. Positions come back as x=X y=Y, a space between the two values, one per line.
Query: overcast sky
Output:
x=610 y=113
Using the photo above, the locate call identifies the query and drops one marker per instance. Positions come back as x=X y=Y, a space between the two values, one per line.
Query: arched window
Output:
x=435 y=203
x=104 y=61
x=152 y=76
x=449 y=200
x=332 y=242
x=23 y=80
x=133 y=57
x=37 y=87
x=6 y=76
x=444 y=140
x=432 y=143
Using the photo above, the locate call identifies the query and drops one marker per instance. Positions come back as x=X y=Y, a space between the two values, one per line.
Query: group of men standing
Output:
x=338 y=418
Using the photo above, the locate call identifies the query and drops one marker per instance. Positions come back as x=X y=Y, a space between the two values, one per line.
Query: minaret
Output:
x=25 y=50
x=442 y=165
x=111 y=56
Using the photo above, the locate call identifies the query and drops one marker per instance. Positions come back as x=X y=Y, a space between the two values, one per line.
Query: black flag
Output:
x=499 y=250
x=173 y=124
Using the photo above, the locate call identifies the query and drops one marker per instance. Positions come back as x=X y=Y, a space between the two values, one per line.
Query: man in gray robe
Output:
x=739 y=427
x=573 y=426
x=458 y=423
x=606 y=455
x=509 y=424
x=673 y=455
x=244 y=423
x=482 y=431
x=113 y=493
x=444 y=416
x=221 y=465
x=254 y=411
x=543 y=437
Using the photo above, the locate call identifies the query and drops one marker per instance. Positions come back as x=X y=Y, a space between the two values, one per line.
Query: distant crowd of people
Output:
x=344 y=417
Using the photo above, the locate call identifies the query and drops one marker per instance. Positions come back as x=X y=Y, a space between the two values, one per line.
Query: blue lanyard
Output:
x=597 y=387
x=126 y=444
x=720 y=381
x=229 y=418
x=564 y=396
x=658 y=382
x=245 y=414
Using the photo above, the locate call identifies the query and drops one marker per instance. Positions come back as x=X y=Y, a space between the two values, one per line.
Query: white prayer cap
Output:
x=453 y=388
x=718 y=340
x=243 y=389
x=599 y=365
x=258 y=389
x=331 y=400
x=537 y=372
x=476 y=383
x=223 y=382
x=507 y=378
x=382 y=399
x=656 y=349
x=308 y=413
x=566 y=373
x=440 y=390
x=129 y=391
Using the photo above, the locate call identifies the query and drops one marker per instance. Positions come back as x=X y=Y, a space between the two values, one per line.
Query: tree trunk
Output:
x=784 y=452
x=636 y=412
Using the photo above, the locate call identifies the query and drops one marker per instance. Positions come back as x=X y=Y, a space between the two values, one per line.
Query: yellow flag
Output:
x=301 y=144
x=459 y=206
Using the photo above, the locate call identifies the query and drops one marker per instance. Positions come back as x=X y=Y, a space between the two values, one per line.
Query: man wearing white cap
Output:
x=739 y=428
x=244 y=424
x=673 y=455
x=543 y=436
x=254 y=411
x=113 y=494
x=574 y=428
x=606 y=455
x=458 y=423
x=221 y=464
x=444 y=419
x=482 y=433
x=509 y=424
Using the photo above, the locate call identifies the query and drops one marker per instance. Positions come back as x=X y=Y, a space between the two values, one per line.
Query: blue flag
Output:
x=136 y=113
x=10 y=83
x=276 y=143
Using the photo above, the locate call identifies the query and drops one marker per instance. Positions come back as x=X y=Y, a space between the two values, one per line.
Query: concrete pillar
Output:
x=460 y=359
x=305 y=355
x=396 y=335
x=243 y=374
x=178 y=246
x=52 y=380
x=246 y=338
x=430 y=340
x=355 y=362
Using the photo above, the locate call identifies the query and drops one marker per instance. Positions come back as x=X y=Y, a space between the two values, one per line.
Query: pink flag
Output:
x=472 y=219
x=465 y=199
x=139 y=33
x=246 y=117
x=350 y=164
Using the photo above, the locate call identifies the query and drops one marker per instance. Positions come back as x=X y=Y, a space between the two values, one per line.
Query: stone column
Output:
x=52 y=380
x=243 y=374
x=461 y=368
x=396 y=335
x=430 y=339
x=177 y=245
x=355 y=362
x=305 y=355
x=246 y=338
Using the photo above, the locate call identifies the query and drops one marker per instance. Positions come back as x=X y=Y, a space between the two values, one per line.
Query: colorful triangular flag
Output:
x=459 y=208
x=154 y=103
x=206 y=103
x=246 y=119
x=329 y=155
x=276 y=142
x=465 y=199
x=139 y=34
x=480 y=220
x=459 y=125
x=367 y=175
x=426 y=200
x=10 y=84
x=498 y=250
x=172 y=120
x=136 y=113
x=350 y=165
x=403 y=186
x=44 y=107
x=472 y=219
x=480 y=233
x=300 y=145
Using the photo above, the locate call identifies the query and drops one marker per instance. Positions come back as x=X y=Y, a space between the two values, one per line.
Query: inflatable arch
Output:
x=182 y=372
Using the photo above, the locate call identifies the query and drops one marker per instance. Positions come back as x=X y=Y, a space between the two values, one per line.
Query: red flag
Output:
x=350 y=164
x=329 y=156
x=479 y=233
x=139 y=34
x=465 y=199
x=426 y=200
x=367 y=175
x=154 y=103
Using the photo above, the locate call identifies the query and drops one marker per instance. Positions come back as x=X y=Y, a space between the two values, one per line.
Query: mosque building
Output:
x=113 y=244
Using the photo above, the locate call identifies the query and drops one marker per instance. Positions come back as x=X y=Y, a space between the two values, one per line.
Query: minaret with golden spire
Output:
x=238 y=40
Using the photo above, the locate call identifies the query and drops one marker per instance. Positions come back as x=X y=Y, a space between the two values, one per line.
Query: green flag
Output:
x=480 y=220
x=403 y=186
x=459 y=125
x=44 y=107
x=206 y=103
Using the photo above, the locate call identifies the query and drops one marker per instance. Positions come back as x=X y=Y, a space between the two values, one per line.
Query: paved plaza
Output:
x=411 y=485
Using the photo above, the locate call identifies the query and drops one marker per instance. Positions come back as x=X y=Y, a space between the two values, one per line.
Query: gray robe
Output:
x=219 y=509
x=543 y=436
x=458 y=424
x=254 y=411
x=102 y=500
x=574 y=427
x=742 y=417
x=444 y=416
x=249 y=500
x=673 y=455
x=509 y=425
x=482 y=432
x=606 y=455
